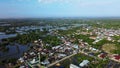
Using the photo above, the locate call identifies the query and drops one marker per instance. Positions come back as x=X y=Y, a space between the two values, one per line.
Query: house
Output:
x=73 y=66
x=21 y=60
x=45 y=62
x=117 y=57
x=75 y=46
x=91 y=54
x=61 y=55
x=84 y=63
x=34 y=61
x=102 y=55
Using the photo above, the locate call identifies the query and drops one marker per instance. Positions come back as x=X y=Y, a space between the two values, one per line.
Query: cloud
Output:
x=97 y=3
x=59 y=1
x=78 y=3
x=52 y=1
x=81 y=3
x=47 y=1
x=24 y=0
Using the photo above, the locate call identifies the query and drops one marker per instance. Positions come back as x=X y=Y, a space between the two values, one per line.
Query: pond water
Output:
x=15 y=51
x=22 y=30
x=27 y=28
x=1 y=33
x=2 y=36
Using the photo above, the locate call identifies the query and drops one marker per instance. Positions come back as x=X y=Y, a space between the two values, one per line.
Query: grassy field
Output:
x=109 y=48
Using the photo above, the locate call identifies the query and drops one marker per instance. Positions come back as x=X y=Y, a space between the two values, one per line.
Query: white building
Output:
x=73 y=66
x=84 y=63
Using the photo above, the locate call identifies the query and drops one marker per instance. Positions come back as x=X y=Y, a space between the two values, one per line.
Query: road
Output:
x=69 y=57
x=61 y=60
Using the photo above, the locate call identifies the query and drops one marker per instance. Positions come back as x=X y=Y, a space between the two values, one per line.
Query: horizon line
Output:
x=63 y=17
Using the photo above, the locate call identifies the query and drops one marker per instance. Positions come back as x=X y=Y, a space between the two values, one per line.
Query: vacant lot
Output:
x=109 y=48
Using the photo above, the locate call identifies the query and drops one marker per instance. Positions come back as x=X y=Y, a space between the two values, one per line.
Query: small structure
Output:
x=21 y=60
x=116 y=57
x=75 y=46
x=102 y=55
x=45 y=62
x=84 y=63
x=73 y=66
x=61 y=55
x=34 y=61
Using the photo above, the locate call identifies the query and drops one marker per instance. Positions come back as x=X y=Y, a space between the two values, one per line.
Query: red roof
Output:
x=117 y=57
x=103 y=55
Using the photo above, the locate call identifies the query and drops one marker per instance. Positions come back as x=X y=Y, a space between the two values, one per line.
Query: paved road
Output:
x=60 y=60
x=69 y=57
x=65 y=59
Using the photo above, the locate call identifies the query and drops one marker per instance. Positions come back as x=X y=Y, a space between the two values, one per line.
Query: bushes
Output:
x=52 y=40
x=100 y=43
x=85 y=38
x=117 y=51
x=25 y=38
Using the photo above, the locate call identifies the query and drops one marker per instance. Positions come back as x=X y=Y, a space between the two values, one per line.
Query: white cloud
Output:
x=53 y=1
x=97 y=3
x=23 y=0
x=60 y=1
x=46 y=1
x=78 y=3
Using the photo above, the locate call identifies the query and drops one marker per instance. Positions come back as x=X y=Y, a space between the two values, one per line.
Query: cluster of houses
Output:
x=32 y=57
x=115 y=57
x=105 y=33
x=58 y=52
x=81 y=65
x=37 y=51
x=93 y=52
x=100 y=34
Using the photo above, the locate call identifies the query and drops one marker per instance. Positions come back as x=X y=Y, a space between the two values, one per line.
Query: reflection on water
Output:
x=2 y=36
x=14 y=51
x=17 y=50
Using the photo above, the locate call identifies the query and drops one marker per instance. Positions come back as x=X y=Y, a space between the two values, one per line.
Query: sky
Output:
x=59 y=8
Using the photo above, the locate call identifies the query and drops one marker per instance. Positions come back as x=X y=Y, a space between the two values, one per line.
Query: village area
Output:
x=59 y=33
x=71 y=44
x=67 y=49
